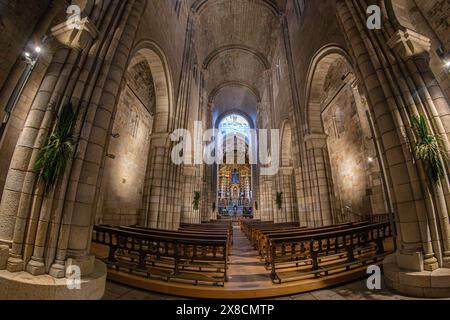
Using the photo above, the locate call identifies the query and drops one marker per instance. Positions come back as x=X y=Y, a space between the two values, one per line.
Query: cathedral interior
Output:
x=224 y=149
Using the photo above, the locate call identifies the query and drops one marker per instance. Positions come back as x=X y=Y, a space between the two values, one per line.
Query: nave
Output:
x=132 y=131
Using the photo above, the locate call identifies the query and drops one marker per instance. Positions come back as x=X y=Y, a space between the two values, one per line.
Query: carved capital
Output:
x=75 y=38
x=160 y=140
x=410 y=44
x=189 y=171
x=287 y=171
x=316 y=141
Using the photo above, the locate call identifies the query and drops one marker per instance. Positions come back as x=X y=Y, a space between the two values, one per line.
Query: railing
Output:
x=379 y=218
x=358 y=217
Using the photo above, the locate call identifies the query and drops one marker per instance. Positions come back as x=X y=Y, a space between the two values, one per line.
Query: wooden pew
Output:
x=224 y=227
x=169 y=257
x=296 y=258
x=218 y=234
x=249 y=228
x=266 y=236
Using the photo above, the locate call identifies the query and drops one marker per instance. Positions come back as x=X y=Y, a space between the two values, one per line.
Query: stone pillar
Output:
x=49 y=233
x=154 y=192
x=287 y=186
x=393 y=64
x=188 y=214
x=266 y=198
x=93 y=144
x=320 y=180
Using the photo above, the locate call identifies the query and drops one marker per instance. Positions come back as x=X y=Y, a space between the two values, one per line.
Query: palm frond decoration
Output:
x=428 y=149
x=58 y=148
x=196 y=202
x=279 y=200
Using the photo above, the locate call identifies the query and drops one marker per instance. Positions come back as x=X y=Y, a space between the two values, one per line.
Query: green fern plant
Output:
x=428 y=149
x=196 y=202
x=279 y=200
x=58 y=148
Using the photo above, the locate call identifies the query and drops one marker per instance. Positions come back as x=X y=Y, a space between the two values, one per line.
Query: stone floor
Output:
x=353 y=291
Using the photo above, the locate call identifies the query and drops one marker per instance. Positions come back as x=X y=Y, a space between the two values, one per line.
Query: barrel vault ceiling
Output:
x=235 y=41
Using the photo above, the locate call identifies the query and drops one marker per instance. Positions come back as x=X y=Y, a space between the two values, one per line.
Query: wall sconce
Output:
x=447 y=65
x=115 y=135
x=111 y=156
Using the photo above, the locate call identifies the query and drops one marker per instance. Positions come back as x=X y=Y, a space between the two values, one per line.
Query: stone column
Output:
x=392 y=64
x=266 y=200
x=154 y=192
x=287 y=186
x=188 y=214
x=78 y=214
x=320 y=180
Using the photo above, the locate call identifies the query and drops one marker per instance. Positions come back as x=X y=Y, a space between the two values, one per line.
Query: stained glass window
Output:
x=234 y=124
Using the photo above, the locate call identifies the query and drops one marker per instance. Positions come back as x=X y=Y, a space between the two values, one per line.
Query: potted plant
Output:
x=279 y=200
x=428 y=149
x=196 y=201
x=52 y=158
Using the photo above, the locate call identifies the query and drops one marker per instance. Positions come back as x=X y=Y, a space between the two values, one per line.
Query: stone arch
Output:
x=226 y=84
x=398 y=13
x=121 y=191
x=216 y=53
x=317 y=73
x=200 y=5
x=234 y=111
x=152 y=53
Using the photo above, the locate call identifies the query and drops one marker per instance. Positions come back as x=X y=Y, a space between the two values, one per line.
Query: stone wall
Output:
x=348 y=157
x=125 y=173
x=436 y=13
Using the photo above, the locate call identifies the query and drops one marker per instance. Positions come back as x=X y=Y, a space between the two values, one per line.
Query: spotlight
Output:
x=38 y=49
x=447 y=65
x=27 y=54
x=370 y=159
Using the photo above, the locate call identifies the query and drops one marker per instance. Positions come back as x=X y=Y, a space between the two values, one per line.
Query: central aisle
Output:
x=246 y=270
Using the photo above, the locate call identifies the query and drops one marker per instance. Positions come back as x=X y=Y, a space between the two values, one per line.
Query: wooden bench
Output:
x=296 y=258
x=265 y=236
x=210 y=227
x=250 y=229
x=187 y=258
x=217 y=234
